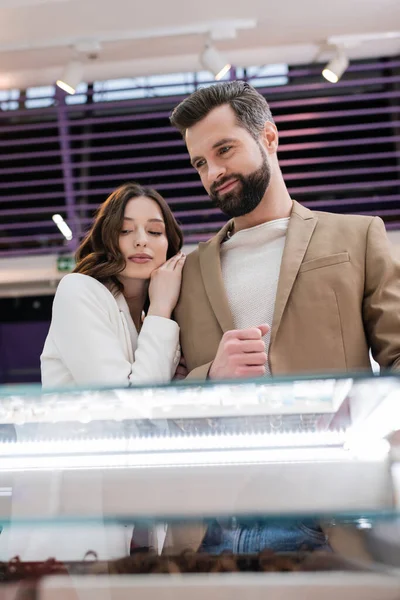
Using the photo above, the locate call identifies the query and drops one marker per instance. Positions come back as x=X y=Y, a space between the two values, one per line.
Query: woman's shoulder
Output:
x=77 y=285
x=78 y=280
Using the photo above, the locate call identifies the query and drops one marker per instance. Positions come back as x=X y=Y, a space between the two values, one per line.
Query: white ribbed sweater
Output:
x=251 y=261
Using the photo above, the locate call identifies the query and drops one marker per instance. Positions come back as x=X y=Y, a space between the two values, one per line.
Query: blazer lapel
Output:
x=210 y=266
x=131 y=335
x=301 y=226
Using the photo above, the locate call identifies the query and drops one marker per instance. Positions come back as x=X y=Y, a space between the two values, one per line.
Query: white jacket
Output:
x=93 y=341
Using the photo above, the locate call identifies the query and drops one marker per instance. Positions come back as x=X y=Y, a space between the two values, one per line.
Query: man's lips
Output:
x=226 y=186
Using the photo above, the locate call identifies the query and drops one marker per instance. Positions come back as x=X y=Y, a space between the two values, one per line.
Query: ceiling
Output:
x=38 y=37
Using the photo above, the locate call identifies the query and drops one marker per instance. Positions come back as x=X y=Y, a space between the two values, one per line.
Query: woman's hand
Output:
x=181 y=370
x=165 y=286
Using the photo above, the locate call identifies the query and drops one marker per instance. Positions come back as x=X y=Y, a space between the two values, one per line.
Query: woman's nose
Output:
x=141 y=239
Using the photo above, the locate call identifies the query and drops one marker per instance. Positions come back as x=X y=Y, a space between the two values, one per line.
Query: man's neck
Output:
x=266 y=211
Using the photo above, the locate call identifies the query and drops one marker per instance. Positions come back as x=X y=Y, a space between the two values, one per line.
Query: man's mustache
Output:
x=215 y=186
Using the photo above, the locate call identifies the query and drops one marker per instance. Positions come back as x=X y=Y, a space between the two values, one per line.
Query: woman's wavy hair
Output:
x=99 y=255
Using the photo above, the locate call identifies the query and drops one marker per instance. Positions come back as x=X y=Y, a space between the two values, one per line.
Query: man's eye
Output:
x=200 y=164
x=225 y=149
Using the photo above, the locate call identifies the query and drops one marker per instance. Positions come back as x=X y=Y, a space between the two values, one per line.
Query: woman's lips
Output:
x=140 y=259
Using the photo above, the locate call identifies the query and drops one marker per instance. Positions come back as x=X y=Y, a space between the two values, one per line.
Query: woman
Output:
x=111 y=321
x=111 y=326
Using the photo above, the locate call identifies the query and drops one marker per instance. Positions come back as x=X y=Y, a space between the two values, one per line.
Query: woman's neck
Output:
x=135 y=293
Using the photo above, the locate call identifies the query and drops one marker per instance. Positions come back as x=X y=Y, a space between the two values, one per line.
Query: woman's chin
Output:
x=142 y=273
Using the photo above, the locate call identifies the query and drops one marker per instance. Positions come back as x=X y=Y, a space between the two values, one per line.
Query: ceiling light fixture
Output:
x=213 y=61
x=336 y=67
x=63 y=227
x=71 y=77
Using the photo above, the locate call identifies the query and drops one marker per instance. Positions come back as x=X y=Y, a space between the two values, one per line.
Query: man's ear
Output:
x=270 y=137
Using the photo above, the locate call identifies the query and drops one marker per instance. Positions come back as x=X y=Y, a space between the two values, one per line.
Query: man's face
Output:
x=232 y=165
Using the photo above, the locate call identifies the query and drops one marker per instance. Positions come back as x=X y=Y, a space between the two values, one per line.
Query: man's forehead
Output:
x=218 y=124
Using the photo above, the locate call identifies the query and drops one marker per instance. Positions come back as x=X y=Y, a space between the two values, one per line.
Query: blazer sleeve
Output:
x=87 y=341
x=381 y=304
x=200 y=373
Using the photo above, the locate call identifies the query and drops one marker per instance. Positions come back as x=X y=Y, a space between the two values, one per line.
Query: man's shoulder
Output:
x=336 y=232
x=192 y=263
x=328 y=218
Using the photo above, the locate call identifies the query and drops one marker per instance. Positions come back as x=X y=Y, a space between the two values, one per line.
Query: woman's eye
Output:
x=225 y=149
x=125 y=231
x=155 y=232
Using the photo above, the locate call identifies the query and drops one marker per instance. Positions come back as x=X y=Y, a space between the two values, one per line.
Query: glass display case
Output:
x=80 y=470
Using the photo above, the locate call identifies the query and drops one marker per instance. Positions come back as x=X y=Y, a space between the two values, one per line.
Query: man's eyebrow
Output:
x=216 y=145
x=223 y=142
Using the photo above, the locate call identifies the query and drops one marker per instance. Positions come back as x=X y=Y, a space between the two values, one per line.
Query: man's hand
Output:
x=241 y=353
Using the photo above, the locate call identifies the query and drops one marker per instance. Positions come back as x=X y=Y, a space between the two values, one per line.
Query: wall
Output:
x=20 y=347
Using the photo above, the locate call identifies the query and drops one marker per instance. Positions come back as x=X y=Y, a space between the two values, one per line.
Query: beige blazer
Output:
x=338 y=296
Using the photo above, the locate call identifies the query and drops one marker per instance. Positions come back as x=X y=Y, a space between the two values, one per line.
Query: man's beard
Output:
x=247 y=194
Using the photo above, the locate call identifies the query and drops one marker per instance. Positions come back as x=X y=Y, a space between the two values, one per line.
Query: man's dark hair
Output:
x=251 y=108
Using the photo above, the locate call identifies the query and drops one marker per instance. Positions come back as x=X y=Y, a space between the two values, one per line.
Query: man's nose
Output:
x=215 y=172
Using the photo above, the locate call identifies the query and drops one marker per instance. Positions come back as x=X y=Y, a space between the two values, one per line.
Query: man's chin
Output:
x=228 y=206
x=232 y=211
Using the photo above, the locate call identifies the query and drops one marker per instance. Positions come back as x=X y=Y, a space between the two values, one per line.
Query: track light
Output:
x=62 y=226
x=336 y=67
x=213 y=61
x=72 y=77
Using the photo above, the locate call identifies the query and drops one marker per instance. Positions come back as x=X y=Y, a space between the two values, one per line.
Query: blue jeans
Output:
x=255 y=537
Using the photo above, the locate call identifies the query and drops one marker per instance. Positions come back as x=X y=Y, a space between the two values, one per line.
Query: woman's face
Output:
x=142 y=240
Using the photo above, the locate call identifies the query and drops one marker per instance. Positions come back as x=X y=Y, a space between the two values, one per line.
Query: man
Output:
x=280 y=289
x=325 y=286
